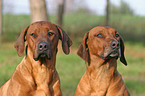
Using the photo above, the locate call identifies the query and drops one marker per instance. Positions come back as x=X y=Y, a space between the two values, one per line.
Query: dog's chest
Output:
x=43 y=75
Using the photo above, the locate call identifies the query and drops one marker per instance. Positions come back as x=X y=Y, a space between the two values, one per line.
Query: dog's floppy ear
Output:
x=66 y=41
x=19 y=45
x=83 y=50
x=122 y=58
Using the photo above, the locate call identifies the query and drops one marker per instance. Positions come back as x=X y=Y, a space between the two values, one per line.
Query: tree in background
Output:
x=69 y=6
x=114 y=9
x=124 y=8
x=107 y=13
x=60 y=12
x=38 y=10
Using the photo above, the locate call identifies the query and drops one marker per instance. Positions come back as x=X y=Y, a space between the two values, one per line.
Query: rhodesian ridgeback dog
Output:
x=101 y=47
x=36 y=75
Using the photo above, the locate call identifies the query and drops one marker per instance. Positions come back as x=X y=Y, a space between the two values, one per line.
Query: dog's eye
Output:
x=99 y=35
x=33 y=34
x=50 y=33
x=116 y=35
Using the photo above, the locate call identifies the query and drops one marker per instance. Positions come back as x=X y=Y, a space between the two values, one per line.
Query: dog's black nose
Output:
x=114 y=44
x=43 y=46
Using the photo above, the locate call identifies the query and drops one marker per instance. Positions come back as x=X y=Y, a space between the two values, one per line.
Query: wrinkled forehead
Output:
x=103 y=30
x=42 y=27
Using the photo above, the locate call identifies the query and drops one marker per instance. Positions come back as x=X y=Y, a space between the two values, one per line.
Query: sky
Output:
x=97 y=6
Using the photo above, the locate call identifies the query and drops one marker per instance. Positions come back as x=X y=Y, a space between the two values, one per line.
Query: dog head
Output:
x=42 y=39
x=104 y=42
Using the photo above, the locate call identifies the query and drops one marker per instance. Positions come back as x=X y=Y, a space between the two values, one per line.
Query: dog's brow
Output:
x=101 y=31
x=36 y=30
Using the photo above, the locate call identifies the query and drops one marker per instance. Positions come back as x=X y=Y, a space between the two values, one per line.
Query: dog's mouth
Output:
x=111 y=54
x=114 y=53
x=42 y=55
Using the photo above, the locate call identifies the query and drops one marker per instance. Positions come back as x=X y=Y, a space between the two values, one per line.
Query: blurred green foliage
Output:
x=76 y=25
x=122 y=9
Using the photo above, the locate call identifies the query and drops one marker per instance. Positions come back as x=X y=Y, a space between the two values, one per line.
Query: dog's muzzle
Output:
x=44 y=51
x=115 y=49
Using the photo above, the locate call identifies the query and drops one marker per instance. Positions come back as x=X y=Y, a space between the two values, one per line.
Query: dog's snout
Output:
x=43 y=46
x=114 y=44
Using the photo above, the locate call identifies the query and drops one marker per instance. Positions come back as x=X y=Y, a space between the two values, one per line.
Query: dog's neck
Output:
x=99 y=66
x=100 y=71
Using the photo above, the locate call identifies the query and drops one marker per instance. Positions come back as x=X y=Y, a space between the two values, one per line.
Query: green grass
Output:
x=71 y=68
x=70 y=72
